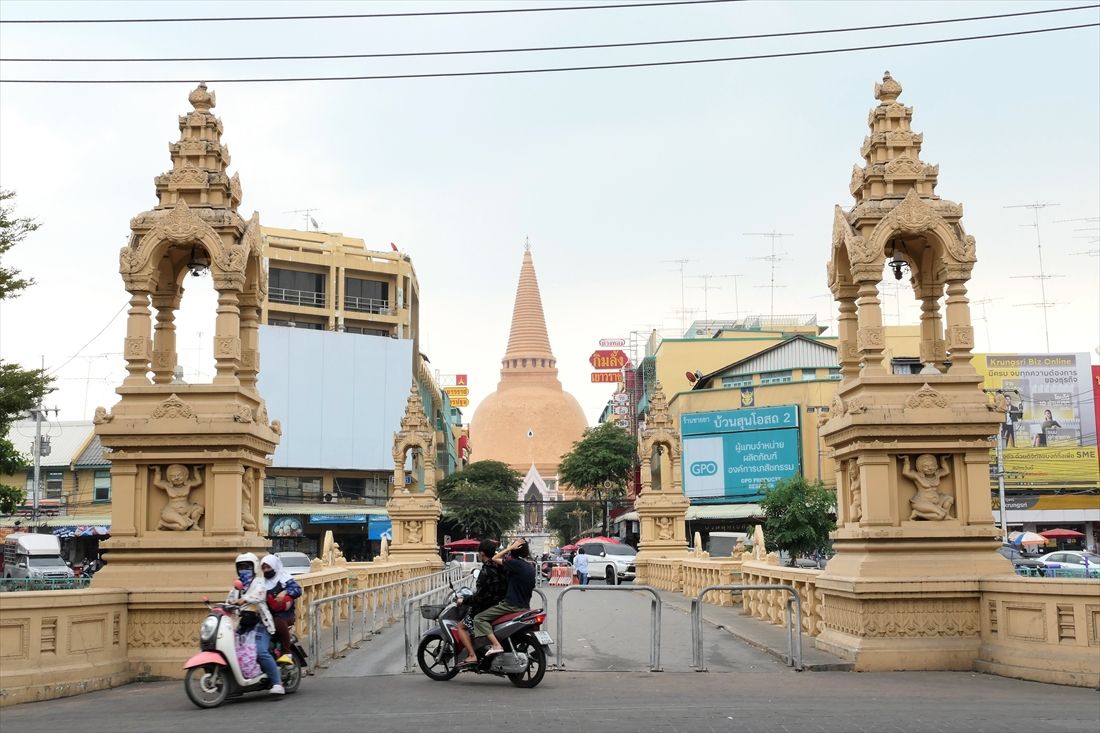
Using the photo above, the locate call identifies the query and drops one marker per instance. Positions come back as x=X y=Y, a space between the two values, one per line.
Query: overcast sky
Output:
x=610 y=173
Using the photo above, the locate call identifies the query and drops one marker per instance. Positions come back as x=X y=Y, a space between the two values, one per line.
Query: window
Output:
x=738 y=381
x=368 y=296
x=364 y=331
x=809 y=375
x=834 y=373
x=906 y=365
x=775 y=377
x=292 y=487
x=296 y=288
x=54 y=482
x=295 y=324
x=350 y=488
x=101 y=486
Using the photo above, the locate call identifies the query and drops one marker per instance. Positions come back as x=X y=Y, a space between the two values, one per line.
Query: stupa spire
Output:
x=528 y=342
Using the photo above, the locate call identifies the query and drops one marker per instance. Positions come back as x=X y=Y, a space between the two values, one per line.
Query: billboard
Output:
x=1050 y=435
x=728 y=454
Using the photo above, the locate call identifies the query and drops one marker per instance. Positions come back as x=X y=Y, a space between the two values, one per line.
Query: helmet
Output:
x=249 y=559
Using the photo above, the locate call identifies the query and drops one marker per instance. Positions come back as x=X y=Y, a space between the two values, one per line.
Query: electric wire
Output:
x=587 y=46
x=349 y=16
x=65 y=363
x=546 y=70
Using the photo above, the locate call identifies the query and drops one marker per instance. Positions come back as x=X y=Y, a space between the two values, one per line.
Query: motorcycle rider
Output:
x=521 y=583
x=491 y=587
x=282 y=589
x=253 y=600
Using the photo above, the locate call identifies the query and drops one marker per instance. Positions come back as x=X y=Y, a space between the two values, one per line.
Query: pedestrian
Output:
x=580 y=567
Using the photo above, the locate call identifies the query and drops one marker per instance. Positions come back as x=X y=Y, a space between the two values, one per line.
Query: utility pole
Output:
x=706 y=287
x=1042 y=277
x=683 y=306
x=771 y=259
x=40 y=447
x=1001 y=455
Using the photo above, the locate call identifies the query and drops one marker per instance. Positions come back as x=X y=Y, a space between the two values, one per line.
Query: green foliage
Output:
x=481 y=510
x=481 y=498
x=13 y=230
x=567 y=519
x=599 y=465
x=483 y=473
x=11 y=499
x=799 y=516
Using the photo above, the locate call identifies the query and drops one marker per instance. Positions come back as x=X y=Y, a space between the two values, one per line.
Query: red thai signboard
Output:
x=608 y=359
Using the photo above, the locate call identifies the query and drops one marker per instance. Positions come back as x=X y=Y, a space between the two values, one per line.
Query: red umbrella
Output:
x=568 y=548
x=605 y=540
x=1060 y=533
x=466 y=544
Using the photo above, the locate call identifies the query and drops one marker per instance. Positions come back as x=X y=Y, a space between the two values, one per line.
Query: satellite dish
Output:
x=692 y=377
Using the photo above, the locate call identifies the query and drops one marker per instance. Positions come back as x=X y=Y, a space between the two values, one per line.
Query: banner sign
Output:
x=1050 y=437
x=460 y=402
x=286 y=527
x=337 y=518
x=612 y=343
x=380 y=527
x=730 y=454
x=608 y=359
x=608 y=377
x=457 y=391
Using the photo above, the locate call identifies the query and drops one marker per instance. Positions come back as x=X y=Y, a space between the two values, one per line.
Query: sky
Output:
x=611 y=175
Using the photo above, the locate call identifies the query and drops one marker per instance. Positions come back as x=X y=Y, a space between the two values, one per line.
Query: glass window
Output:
x=295 y=287
x=349 y=487
x=738 y=381
x=775 y=377
x=620 y=550
x=101 y=483
x=364 y=331
x=54 y=483
x=834 y=373
x=292 y=487
x=370 y=296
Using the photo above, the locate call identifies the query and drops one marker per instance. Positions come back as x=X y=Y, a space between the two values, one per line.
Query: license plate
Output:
x=544 y=638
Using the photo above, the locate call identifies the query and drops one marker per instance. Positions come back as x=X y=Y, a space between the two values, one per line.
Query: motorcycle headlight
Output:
x=209 y=628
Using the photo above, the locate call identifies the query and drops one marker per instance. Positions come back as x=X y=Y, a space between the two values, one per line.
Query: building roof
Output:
x=66 y=440
x=93 y=455
x=797 y=352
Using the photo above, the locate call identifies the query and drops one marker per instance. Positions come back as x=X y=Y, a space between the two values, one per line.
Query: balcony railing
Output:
x=306 y=298
x=367 y=305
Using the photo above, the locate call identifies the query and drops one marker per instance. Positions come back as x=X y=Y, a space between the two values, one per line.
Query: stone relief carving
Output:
x=102 y=416
x=855 y=493
x=664 y=528
x=906 y=618
x=413 y=532
x=159 y=629
x=243 y=413
x=180 y=513
x=928 y=502
x=173 y=408
x=248 y=486
x=924 y=398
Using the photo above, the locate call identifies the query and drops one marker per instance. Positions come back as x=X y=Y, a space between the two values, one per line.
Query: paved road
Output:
x=366 y=692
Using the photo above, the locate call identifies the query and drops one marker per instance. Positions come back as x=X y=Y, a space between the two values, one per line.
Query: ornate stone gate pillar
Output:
x=661 y=511
x=185 y=458
x=915 y=525
x=415 y=516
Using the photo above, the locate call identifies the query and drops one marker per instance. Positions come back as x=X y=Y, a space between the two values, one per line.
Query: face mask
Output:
x=246 y=576
x=269 y=574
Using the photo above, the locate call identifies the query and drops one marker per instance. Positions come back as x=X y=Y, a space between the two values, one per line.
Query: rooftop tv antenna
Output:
x=307 y=218
x=706 y=287
x=985 y=319
x=683 y=306
x=771 y=259
x=1042 y=277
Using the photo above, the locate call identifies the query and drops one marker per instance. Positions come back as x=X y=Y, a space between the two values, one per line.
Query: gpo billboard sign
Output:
x=729 y=454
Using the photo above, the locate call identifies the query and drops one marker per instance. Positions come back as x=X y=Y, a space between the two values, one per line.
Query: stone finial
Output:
x=889 y=90
x=658 y=409
x=201 y=99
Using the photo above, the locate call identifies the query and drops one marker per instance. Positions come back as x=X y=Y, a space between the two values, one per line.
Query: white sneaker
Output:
x=277 y=690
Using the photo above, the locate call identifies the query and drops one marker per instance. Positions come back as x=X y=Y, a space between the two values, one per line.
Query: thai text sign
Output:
x=460 y=402
x=731 y=453
x=608 y=359
x=612 y=343
x=457 y=391
x=608 y=377
x=1050 y=436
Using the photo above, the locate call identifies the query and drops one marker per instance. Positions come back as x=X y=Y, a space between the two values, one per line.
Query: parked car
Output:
x=1072 y=562
x=296 y=563
x=34 y=556
x=1020 y=560
x=614 y=563
x=466 y=560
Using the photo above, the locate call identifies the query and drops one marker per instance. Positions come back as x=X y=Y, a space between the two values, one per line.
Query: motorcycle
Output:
x=214 y=674
x=442 y=654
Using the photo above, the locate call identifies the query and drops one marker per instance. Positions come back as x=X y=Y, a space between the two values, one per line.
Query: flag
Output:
x=394 y=247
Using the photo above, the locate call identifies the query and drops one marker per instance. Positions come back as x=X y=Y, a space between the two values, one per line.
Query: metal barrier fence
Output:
x=21 y=584
x=794 y=630
x=1063 y=571
x=654 y=619
x=416 y=625
x=365 y=612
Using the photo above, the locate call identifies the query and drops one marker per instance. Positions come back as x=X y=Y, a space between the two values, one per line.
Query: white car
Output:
x=296 y=563
x=467 y=561
x=1072 y=562
x=614 y=563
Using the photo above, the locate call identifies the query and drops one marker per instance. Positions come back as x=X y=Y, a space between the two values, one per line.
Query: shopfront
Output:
x=358 y=530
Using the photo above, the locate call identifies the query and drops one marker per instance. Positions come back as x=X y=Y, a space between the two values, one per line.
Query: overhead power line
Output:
x=546 y=70
x=347 y=16
x=528 y=49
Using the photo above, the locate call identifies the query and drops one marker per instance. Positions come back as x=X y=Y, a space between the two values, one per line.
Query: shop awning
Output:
x=73 y=520
x=329 y=510
x=84 y=530
x=708 y=511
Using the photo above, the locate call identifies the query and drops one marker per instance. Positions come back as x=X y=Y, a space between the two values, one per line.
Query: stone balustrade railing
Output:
x=60 y=643
x=770 y=605
x=1041 y=629
x=329 y=581
x=699 y=572
x=663 y=573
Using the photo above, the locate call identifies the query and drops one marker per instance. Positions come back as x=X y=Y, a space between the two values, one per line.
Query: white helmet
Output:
x=251 y=559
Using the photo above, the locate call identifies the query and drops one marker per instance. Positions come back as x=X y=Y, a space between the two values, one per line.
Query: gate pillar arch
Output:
x=414 y=514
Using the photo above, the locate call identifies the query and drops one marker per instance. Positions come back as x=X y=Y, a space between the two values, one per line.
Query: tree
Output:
x=20 y=389
x=482 y=498
x=599 y=465
x=799 y=516
x=567 y=519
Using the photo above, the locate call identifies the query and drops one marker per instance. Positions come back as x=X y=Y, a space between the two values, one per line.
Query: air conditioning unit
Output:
x=329 y=498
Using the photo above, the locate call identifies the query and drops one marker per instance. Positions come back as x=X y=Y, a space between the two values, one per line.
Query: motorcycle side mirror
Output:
x=206 y=599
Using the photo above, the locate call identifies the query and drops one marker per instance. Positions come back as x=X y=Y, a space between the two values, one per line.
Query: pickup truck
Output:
x=34 y=556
